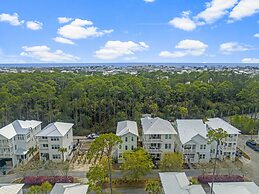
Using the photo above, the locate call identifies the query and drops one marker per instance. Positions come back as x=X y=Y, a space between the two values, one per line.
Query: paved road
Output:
x=252 y=167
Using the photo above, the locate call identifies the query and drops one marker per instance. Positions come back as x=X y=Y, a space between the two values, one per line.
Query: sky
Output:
x=109 y=31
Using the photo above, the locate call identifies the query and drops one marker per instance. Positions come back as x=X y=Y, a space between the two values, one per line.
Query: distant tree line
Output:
x=94 y=103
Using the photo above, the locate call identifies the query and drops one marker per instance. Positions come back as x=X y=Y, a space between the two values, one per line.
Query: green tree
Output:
x=153 y=187
x=62 y=151
x=97 y=175
x=183 y=111
x=217 y=135
x=136 y=163
x=46 y=187
x=31 y=151
x=102 y=146
x=35 y=189
x=171 y=161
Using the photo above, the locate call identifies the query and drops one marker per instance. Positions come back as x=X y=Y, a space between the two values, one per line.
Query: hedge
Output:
x=220 y=178
x=37 y=180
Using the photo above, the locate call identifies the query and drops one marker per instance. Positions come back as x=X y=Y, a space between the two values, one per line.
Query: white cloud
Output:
x=63 y=40
x=256 y=35
x=183 y=23
x=81 y=29
x=244 y=8
x=149 y=1
x=34 y=25
x=187 y=47
x=43 y=53
x=250 y=60
x=63 y=20
x=11 y=19
x=216 y=9
x=116 y=49
x=229 y=47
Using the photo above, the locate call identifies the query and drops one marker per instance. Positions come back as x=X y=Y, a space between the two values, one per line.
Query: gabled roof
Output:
x=216 y=123
x=10 y=188
x=189 y=128
x=236 y=188
x=57 y=129
x=178 y=183
x=69 y=188
x=18 y=127
x=157 y=126
x=125 y=127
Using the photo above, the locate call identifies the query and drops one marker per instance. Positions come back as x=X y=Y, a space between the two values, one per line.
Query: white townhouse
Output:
x=158 y=136
x=11 y=188
x=128 y=132
x=235 y=188
x=69 y=188
x=54 y=136
x=193 y=140
x=178 y=183
x=16 y=139
x=228 y=147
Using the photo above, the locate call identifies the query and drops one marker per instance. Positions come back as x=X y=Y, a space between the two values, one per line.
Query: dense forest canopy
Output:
x=94 y=103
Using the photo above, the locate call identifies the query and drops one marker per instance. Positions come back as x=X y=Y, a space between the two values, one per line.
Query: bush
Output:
x=37 y=180
x=220 y=178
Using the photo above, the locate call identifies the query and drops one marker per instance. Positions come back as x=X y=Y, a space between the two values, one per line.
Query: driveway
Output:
x=251 y=167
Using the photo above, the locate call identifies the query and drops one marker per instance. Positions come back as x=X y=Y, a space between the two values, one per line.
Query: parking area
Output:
x=251 y=167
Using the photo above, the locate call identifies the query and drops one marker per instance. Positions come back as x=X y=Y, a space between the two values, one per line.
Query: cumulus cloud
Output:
x=63 y=20
x=256 y=35
x=244 y=8
x=184 y=22
x=34 y=25
x=11 y=19
x=116 y=49
x=187 y=47
x=215 y=10
x=250 y=60
x=229 y=47
x=149 y=1
x=63 y=40
x=43 y=53
x=81 y=29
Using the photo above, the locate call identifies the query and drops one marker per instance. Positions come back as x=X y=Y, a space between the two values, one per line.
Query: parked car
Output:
x=92 y=136
x=252 y=144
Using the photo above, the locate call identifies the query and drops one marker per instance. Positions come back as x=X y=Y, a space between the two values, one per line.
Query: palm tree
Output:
x=153 y=187
x=216 y=135
x=62 y=151
x=31 y=151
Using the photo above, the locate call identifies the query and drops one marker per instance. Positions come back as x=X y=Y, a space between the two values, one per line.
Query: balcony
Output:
x=7 y=154
x=6 y=145
x=153 y=150
x=153 y=140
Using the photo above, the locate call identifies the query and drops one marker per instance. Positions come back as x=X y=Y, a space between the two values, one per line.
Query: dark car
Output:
x=252 y=144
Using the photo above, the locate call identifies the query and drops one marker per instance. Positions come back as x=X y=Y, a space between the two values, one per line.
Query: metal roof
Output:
x=157 y=126
x=178 y=183
x=189 y=128
x=236 y=188
x=216 y=123
x=125 y=127
x=69 y=188
x=10 y=188
x=18 y=127
x=57 y=129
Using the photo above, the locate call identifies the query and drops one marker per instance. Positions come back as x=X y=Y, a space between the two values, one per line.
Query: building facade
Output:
x=53 y=137
x=128 y=132
x=16 y=139
x=158 y=136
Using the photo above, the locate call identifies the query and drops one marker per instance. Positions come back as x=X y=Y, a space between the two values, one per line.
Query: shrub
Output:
x=220 y=178
x=37 y=180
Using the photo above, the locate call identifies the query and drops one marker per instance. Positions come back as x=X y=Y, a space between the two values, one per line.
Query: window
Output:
x=132 y=147
x=167 y=146
x=15 y=147
x=45 y=145
x=20 y=137
x=55 y=147
x=132 y=138
x=169 y=136
x=166 y=136
x=202 y=156
x=230 y=144
x=126 y=139
x=187 y=147
x=193 y=147
x=54 y=139
x=126 y=147
x=44 y=137
x=56 y=156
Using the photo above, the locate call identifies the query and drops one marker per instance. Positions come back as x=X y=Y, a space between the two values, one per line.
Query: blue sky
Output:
x=129 y=31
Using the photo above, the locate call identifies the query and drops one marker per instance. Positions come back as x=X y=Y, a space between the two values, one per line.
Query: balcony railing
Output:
x=153 y=140
x=6 y=154
x=154 y=150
